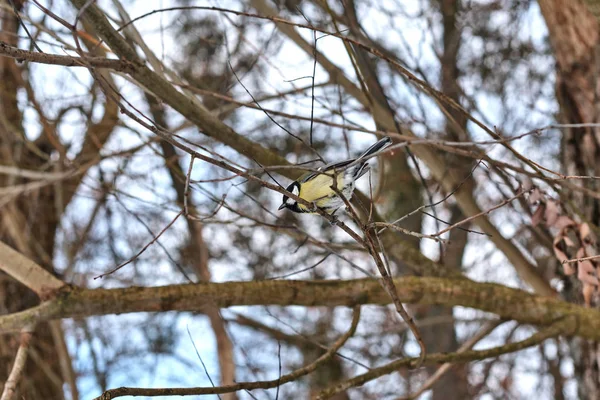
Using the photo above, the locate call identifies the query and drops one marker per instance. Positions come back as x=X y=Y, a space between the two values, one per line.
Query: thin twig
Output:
x=142 y=250
x=187 y=186
x=279 y=360
x=472 y=217
x=406 y=231
x=467 y=345
x=307 y=369
x=574 y=260
x=200 y=358
x=466 y=356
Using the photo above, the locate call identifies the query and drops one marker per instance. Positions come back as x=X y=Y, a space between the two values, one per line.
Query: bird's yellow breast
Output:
x=318 y=190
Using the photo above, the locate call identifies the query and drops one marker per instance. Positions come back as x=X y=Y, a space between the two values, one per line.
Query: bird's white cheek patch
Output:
x=295 y=190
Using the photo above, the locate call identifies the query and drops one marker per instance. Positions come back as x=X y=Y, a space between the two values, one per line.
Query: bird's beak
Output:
x=281 y=207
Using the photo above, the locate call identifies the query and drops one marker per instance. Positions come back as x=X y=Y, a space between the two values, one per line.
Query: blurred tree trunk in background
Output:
x=399 y=192
x=196 y=252
x=442 y=337
x=573 y=31
x=30 y=220
x=28 y=224
x=403 y=192
x=332 y=370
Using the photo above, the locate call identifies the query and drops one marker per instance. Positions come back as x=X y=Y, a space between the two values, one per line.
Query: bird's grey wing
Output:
x=328 y=167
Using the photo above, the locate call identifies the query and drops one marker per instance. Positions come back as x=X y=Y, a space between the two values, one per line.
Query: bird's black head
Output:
x=288 y=203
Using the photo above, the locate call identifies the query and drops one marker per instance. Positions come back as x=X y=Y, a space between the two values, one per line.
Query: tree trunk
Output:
x=28 y=224
x=442 y=337
x=573 y=33
x=29 y=221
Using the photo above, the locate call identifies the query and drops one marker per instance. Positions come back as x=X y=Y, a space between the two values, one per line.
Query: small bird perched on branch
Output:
x=318 y=187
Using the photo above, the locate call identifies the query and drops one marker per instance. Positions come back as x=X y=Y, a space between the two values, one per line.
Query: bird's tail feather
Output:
x=361 y=170
x=376 y=147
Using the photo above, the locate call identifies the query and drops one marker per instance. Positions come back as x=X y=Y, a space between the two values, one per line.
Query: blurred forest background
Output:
x=143 y=145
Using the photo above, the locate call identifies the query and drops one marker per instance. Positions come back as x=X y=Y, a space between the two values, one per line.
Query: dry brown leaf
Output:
x=586 y=272
x=568 y=269
x=569 y=242
x=588 y=291
x=584 y=230
x=563 y=221
x=535 y=196
x=561 y=255
x=589 y=249
x=537 y=216
x=551 y=213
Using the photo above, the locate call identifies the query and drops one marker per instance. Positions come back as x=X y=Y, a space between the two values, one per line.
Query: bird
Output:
x=316 y=187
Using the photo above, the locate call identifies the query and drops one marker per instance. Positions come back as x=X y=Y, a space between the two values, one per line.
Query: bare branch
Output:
x=507 y=303
x=10 y=387
x=458 y=357
x=307 y=369
x=9 y=51
x=472 y=217
x=483 y=332
x=28 y=272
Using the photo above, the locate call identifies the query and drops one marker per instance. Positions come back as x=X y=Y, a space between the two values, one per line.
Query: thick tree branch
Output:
x=192 y=110
x=507 y=303
x=28 y=272
x=9 y=51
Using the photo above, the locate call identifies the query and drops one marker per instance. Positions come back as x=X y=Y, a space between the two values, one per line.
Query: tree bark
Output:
x=573 y=33
x=27 y=224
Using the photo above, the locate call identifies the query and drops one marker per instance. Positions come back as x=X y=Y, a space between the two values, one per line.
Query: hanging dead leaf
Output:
x=586 y=234
x=584 y=230
x=527 y=184
x=560 y=243
x=563 y=221
x=588 y=291
x=586 y=272
x=535 y=196
x=569 y=242
x=537 y=216
x=551 y=213
x=568 y=269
